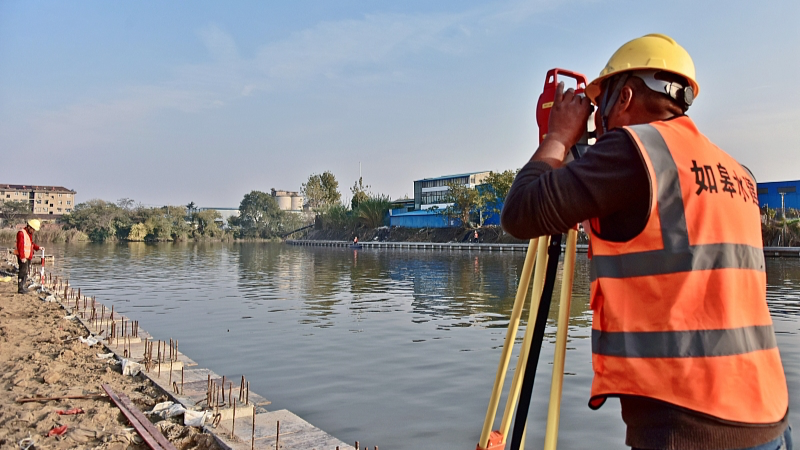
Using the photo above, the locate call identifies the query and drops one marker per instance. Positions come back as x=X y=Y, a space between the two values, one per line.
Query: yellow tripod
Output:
x=536 y=257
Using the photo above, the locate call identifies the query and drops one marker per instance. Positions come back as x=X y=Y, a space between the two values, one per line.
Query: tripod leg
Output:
x=519 y=372
x=553 y=251
x=508 y=345
x=567 y=275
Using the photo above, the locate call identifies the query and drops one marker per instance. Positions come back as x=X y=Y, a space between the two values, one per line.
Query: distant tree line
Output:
x=126 y=221
x=261 y=218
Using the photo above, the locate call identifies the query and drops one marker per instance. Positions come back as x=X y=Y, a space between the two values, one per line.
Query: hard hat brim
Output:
x=594 y=89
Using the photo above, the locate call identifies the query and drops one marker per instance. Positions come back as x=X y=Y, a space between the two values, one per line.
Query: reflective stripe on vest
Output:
x=684 y=344
x=677 y=255
x=680 y=310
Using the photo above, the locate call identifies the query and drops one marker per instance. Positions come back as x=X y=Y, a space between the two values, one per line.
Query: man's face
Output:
x=598 y=123
x=601 y=106
x=613 y=119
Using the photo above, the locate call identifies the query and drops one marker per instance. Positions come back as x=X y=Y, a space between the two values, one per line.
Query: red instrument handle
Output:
x=552 y=78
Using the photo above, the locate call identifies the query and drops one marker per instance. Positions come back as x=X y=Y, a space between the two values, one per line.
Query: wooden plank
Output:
x=63 y=397
x=154 y=439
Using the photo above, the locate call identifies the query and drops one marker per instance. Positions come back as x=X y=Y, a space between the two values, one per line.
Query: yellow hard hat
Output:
x=653 y=51
x=35 y=224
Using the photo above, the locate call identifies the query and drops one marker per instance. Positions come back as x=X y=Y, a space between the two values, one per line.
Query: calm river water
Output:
x=394 y=348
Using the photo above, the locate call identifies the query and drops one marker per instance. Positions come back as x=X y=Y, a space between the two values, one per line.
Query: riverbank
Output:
x=123 y=359
x=42 y=356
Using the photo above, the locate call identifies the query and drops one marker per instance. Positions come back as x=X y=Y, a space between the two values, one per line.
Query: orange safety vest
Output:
x=27 y=246
x=680 y=311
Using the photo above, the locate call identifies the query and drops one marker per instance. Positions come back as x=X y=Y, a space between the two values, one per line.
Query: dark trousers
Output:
x=783 y=442
x=24 y=268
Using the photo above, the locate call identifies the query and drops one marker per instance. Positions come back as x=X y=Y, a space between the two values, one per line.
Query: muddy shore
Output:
x=41 y=356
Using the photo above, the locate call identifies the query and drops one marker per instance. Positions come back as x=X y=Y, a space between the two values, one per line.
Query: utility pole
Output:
x=783 y=205
x=783 y=213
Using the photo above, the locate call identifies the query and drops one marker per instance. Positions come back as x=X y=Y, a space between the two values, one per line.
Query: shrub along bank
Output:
x=48 y=233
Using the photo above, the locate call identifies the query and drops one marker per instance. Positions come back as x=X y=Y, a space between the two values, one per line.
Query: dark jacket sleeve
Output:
x=610 y=178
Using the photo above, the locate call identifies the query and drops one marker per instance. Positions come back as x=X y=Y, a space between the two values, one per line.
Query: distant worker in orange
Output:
x=681 y=333
x=355 y=240
x=24 y=251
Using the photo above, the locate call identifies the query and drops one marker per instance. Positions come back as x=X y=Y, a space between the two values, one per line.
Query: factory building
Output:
x=288 y=200
x=779 y=194
x=432 y=192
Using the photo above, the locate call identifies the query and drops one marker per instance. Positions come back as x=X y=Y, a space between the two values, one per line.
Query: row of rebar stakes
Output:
x=358 y=447
x=215 y=392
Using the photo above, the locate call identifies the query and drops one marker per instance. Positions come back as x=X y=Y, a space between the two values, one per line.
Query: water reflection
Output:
x=783 y=295
x=452 y=289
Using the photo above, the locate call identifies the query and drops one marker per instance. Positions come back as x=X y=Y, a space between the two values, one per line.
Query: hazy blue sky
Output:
x=171 y=102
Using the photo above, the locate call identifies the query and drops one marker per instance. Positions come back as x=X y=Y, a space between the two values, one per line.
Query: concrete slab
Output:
x=295 y=433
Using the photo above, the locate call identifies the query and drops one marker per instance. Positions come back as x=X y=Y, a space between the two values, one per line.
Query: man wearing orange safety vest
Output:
x=24 y=251
x=681 y=333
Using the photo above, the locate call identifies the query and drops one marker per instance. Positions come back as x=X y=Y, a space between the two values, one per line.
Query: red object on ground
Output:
x=495 y=442
x=57 y=431
x=69 y=412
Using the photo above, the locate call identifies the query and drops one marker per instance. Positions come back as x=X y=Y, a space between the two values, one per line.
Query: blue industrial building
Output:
x=430 y=195
x=779 y=194
x=426 y=218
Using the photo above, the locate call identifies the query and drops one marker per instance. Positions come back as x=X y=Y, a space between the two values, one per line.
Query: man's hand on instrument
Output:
x=568 y=117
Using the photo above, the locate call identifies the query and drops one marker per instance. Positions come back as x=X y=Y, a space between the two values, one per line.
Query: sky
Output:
x=198 y=101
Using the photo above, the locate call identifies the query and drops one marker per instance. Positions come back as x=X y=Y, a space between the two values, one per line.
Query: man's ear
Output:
x=625 y=99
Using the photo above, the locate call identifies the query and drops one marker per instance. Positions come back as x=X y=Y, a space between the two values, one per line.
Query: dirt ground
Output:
x=487 y=235
x=40 y=356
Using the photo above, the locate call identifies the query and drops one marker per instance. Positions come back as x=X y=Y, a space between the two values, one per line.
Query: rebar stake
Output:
x=233 y=422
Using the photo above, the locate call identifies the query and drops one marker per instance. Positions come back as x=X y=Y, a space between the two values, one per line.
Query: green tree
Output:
x=99 y=219
x=138 y=232
x=160 y=228
x=359 y=193
x=190 y=209
x=16 y=212
x=126 y=203
x=337 y=217
x=321 y=190
x=495 y=188
x=372 y=211
x=207 y=222
x=176 y=215
x=463 y=200
x=259 y=216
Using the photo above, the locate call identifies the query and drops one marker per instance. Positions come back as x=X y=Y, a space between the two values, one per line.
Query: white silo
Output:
x=297 y=202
